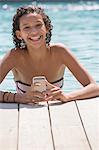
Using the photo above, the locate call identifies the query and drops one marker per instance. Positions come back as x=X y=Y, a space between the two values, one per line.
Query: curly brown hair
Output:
x=26 y=10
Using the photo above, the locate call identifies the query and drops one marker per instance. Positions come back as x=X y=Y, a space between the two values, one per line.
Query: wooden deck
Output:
x=54 y=126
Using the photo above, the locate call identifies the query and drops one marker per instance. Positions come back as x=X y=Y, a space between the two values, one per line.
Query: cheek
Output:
x=24 y=35
x=44 y=30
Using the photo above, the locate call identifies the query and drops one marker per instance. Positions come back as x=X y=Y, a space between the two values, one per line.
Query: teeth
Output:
x=35 y=38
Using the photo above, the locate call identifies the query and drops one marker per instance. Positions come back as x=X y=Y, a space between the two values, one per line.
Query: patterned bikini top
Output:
x=23 y=87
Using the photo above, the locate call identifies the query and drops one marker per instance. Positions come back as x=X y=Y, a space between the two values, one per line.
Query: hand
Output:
x=30 y=97
x=53 y=92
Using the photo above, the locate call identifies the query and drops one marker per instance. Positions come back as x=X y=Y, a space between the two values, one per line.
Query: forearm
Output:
x=23 y=98
x=9 y=97
x=1 y=96
x=89 y=91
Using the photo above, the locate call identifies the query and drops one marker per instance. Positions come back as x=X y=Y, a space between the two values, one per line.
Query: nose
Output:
x=34 y=30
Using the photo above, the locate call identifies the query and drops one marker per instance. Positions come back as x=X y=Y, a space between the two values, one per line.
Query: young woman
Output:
x=33 y=55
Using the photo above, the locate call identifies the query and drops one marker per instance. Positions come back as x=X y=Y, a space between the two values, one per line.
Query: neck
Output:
x=37 y=53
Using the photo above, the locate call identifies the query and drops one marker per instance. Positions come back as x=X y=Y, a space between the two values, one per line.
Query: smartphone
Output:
x=39 y=83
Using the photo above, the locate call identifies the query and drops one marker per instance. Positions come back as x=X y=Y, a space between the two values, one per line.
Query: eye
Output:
x=27 y=27
x=39 y=25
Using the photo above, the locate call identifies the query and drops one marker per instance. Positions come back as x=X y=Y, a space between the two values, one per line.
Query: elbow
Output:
x=95 y=88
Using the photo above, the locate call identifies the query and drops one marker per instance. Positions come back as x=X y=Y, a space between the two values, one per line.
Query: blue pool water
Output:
x=74 y=24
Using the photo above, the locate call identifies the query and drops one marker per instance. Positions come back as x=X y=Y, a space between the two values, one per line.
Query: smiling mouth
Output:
x=36 y=38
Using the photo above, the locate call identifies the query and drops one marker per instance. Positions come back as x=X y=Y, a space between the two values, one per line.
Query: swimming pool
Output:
x=74 y=24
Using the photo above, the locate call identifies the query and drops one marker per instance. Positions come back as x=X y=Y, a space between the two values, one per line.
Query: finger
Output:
x=49 y=91
x=33 y=93
x=34 y=103
x=56 y=92
x=53 y=92
x=38 y=99
x=49 y=98
x=53 y=98
x=49 y=85
x=39 y=94
x=55 y=89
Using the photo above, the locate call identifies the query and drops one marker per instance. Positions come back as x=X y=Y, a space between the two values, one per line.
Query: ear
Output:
x=18 y=34
x=47 y=30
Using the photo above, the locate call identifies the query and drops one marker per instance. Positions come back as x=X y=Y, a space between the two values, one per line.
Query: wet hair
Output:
x=26 y=10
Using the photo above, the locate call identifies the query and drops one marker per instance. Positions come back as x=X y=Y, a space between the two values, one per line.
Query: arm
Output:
x=90 y=88
x=6 y=64
x=55 y=93
x=87 y=92
x=25 y=98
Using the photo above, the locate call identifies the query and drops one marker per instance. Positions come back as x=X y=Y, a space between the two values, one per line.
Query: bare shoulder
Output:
x=10 y=53
x=64 y=53
x=15 y=52
x=61 y=50
x=11 y=58
x=13 y=55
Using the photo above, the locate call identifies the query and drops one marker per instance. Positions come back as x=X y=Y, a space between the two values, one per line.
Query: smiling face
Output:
x=32 y=30
x=31 y=17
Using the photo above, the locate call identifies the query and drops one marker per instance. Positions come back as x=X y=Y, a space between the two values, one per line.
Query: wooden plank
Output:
x=34 y=128
x=89 y=111
x=66 y=127
x=8 y=126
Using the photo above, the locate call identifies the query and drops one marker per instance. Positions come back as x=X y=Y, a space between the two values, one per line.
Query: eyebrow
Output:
x=24 y=24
